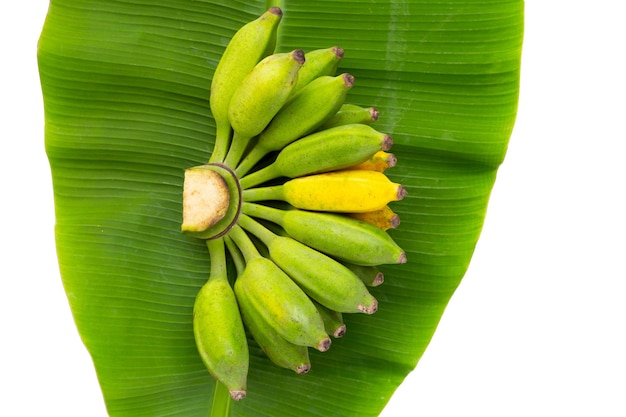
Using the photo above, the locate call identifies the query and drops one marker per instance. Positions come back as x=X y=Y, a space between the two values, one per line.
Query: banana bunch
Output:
x=296 y=193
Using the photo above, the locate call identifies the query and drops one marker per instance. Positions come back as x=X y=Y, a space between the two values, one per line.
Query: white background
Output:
x=535 y=329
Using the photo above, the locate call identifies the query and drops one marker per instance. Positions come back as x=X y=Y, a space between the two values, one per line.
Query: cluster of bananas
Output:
x=295 y=191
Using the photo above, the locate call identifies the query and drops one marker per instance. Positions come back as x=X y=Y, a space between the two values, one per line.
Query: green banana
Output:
x=369 y=274
x=336 y=235
x=277 y=298
x=319 y=62
x=303 y=113
x=351 y=191
x=333 y=320
x=351 y=113
x=322 y=278
x=328 y=150
x=247 y=47
x=278 y=350
x=218 y=328
x=262 y=93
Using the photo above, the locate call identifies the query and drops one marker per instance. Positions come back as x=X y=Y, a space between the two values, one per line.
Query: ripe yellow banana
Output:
x=277 y=298
x=278 y=350
x=350 y=191
x=328 y=150
x=319 y=62
x=384 y=218
x=380 y=161
x=351 y=113
x=322 y=278
x=337 y=235
x=303 y=113
x=247 y=47
x=218 y=328
x=261 y=94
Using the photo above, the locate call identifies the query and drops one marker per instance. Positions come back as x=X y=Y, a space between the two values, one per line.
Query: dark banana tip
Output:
x=298 y=55
x=374 y=114
x=237 y=394
x=391 y=160
x=348 y=80
x=401 y=193
x=340 y=331
x=394 y=221
x=338 y=52
x=303 y=369
x=387 y=142
x=324 y=345
x=370 y=309
x=276 y=10
x=402 y=258
x=379 y=279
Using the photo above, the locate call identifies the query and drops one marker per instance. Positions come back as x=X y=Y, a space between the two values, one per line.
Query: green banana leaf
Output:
x=126 y=87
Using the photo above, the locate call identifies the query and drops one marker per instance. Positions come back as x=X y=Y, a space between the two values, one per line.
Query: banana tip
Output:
x=276 y=10
x=237 y=394
x=370 y=309
x=303 y=369
x=324 y=345
x=394 y=222
x=401 y=193
x=338 y=52
x=379 y=279
x=298 y=55
x=374 y=114
x=402 y=258
x=348 y=80
x=387 y=142
x=340 y=331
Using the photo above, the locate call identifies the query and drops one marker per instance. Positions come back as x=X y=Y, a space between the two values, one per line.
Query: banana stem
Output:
x=235 y=253
x=257 y=229
x=262 y=175
x=267 y=213
x=254 y=156
x=221 y=401
x=275 y=192
x=222 y=139
x=218 y=258
x=246 y=246
x=237 y=148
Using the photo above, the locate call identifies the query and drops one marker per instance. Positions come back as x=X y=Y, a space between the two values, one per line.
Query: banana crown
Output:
x=296 y=192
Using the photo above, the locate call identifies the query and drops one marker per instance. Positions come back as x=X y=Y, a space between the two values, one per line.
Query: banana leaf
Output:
x=126 y=86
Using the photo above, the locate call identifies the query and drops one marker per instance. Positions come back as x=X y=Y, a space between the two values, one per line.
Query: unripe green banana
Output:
x=384 y=218
x=337 y=235
x=328 y=150
x=310 y=107
x=322 y=278
x=278 y=350
x=247 y=47
x=262 y=93
x=369 y=274
x=277 y=298
x=218 y=328
x=350 y=191
x=333 y=320
x=351 y=113
x=319 y=62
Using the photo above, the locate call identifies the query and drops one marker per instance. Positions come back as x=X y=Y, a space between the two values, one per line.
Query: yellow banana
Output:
x=380 y=161
x=328 y=150
x=384 y=218
x=350 y=191
x=351 y=113
x=218 y=328
x=339 y=236
x=278 y=350
x=319 y=62
x=309 y=108
x=251 y=43
x=262 y=93
x=277 y=298
x=322 y=278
